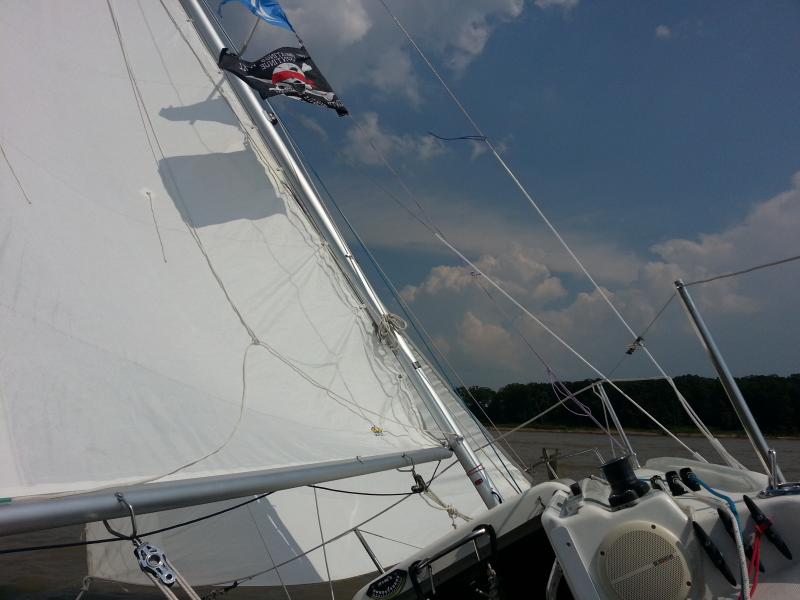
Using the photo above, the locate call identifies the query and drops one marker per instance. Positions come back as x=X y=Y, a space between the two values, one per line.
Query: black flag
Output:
x=287 y=72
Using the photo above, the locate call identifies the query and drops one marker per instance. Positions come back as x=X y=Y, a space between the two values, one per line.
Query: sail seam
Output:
x=14 y=174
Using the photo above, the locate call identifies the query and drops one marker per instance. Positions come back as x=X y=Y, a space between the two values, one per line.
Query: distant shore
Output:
x=633 y=431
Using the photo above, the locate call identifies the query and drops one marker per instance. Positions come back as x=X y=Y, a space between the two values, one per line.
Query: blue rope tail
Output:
x=731 y=504
x=471 y=138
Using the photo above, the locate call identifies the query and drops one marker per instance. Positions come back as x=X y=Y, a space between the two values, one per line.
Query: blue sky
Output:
x=662 y=139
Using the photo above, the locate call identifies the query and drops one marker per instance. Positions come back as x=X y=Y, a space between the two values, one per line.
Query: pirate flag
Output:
x=287 y=72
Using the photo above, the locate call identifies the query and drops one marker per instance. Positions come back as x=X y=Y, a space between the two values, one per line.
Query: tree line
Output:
x=773 y=400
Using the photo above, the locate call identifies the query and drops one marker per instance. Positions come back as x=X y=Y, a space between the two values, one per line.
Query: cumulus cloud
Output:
x=581 y=316
x=663 y=32
x=367 y=136
x=357 y=44
x=479 y=339
x=517 y=271
x=342 y=22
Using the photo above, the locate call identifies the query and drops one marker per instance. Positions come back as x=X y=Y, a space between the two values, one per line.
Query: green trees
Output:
x=774 y=401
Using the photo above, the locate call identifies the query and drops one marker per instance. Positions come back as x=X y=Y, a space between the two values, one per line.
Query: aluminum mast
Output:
x=252 y=103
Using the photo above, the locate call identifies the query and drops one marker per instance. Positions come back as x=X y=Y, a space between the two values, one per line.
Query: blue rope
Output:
x=731 y=504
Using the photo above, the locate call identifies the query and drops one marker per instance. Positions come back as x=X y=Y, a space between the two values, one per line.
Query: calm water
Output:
x=57 y=574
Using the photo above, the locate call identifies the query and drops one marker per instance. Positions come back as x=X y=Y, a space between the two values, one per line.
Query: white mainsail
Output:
x=168 y=311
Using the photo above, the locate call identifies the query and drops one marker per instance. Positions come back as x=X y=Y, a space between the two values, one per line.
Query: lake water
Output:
x=57 y=574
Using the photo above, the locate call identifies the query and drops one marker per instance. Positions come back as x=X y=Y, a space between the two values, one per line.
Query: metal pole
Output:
x=34 y=515
x=364 y=543
x=252 y=103
x=728 y=382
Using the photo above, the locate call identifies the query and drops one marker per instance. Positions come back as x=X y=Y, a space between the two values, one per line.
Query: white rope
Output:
x=737 y=536
x=434 y=349
x=85 y=585
x=743 y=271
x=450 y=509
x=389 y=324
x=185 y=585
x=703 y=429
x=269 y=554
x=324 y=548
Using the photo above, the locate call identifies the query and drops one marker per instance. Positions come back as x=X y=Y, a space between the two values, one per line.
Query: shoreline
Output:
x=633 y=431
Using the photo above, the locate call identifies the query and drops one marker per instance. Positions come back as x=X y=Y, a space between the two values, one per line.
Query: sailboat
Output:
x=194 y=365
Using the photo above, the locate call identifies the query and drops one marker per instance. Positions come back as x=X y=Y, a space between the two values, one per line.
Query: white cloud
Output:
x=312 y=126
x=342 y=22
x=392 y=73
x=367 y=141
x=565 y=5
x=751 y=308
x=355 y=42
x=517 y=271
x=663 y=32
x=479 y=339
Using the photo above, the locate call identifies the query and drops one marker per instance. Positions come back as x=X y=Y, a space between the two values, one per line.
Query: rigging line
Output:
x=336 y=537
x=415 y=321
x=391 y=169
x=527 y=195
x=155 y=222
x=324 y=546
x=742 y=272
x=383 y=537
x=302 y=160
x=330 y=392
x=269 y=554
x=605 y=416
x=354 y=493
x=539 y=416
x=340 y=491
x=14 y=174
x=644 y=333
x=559 y=388
x=565 y=344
